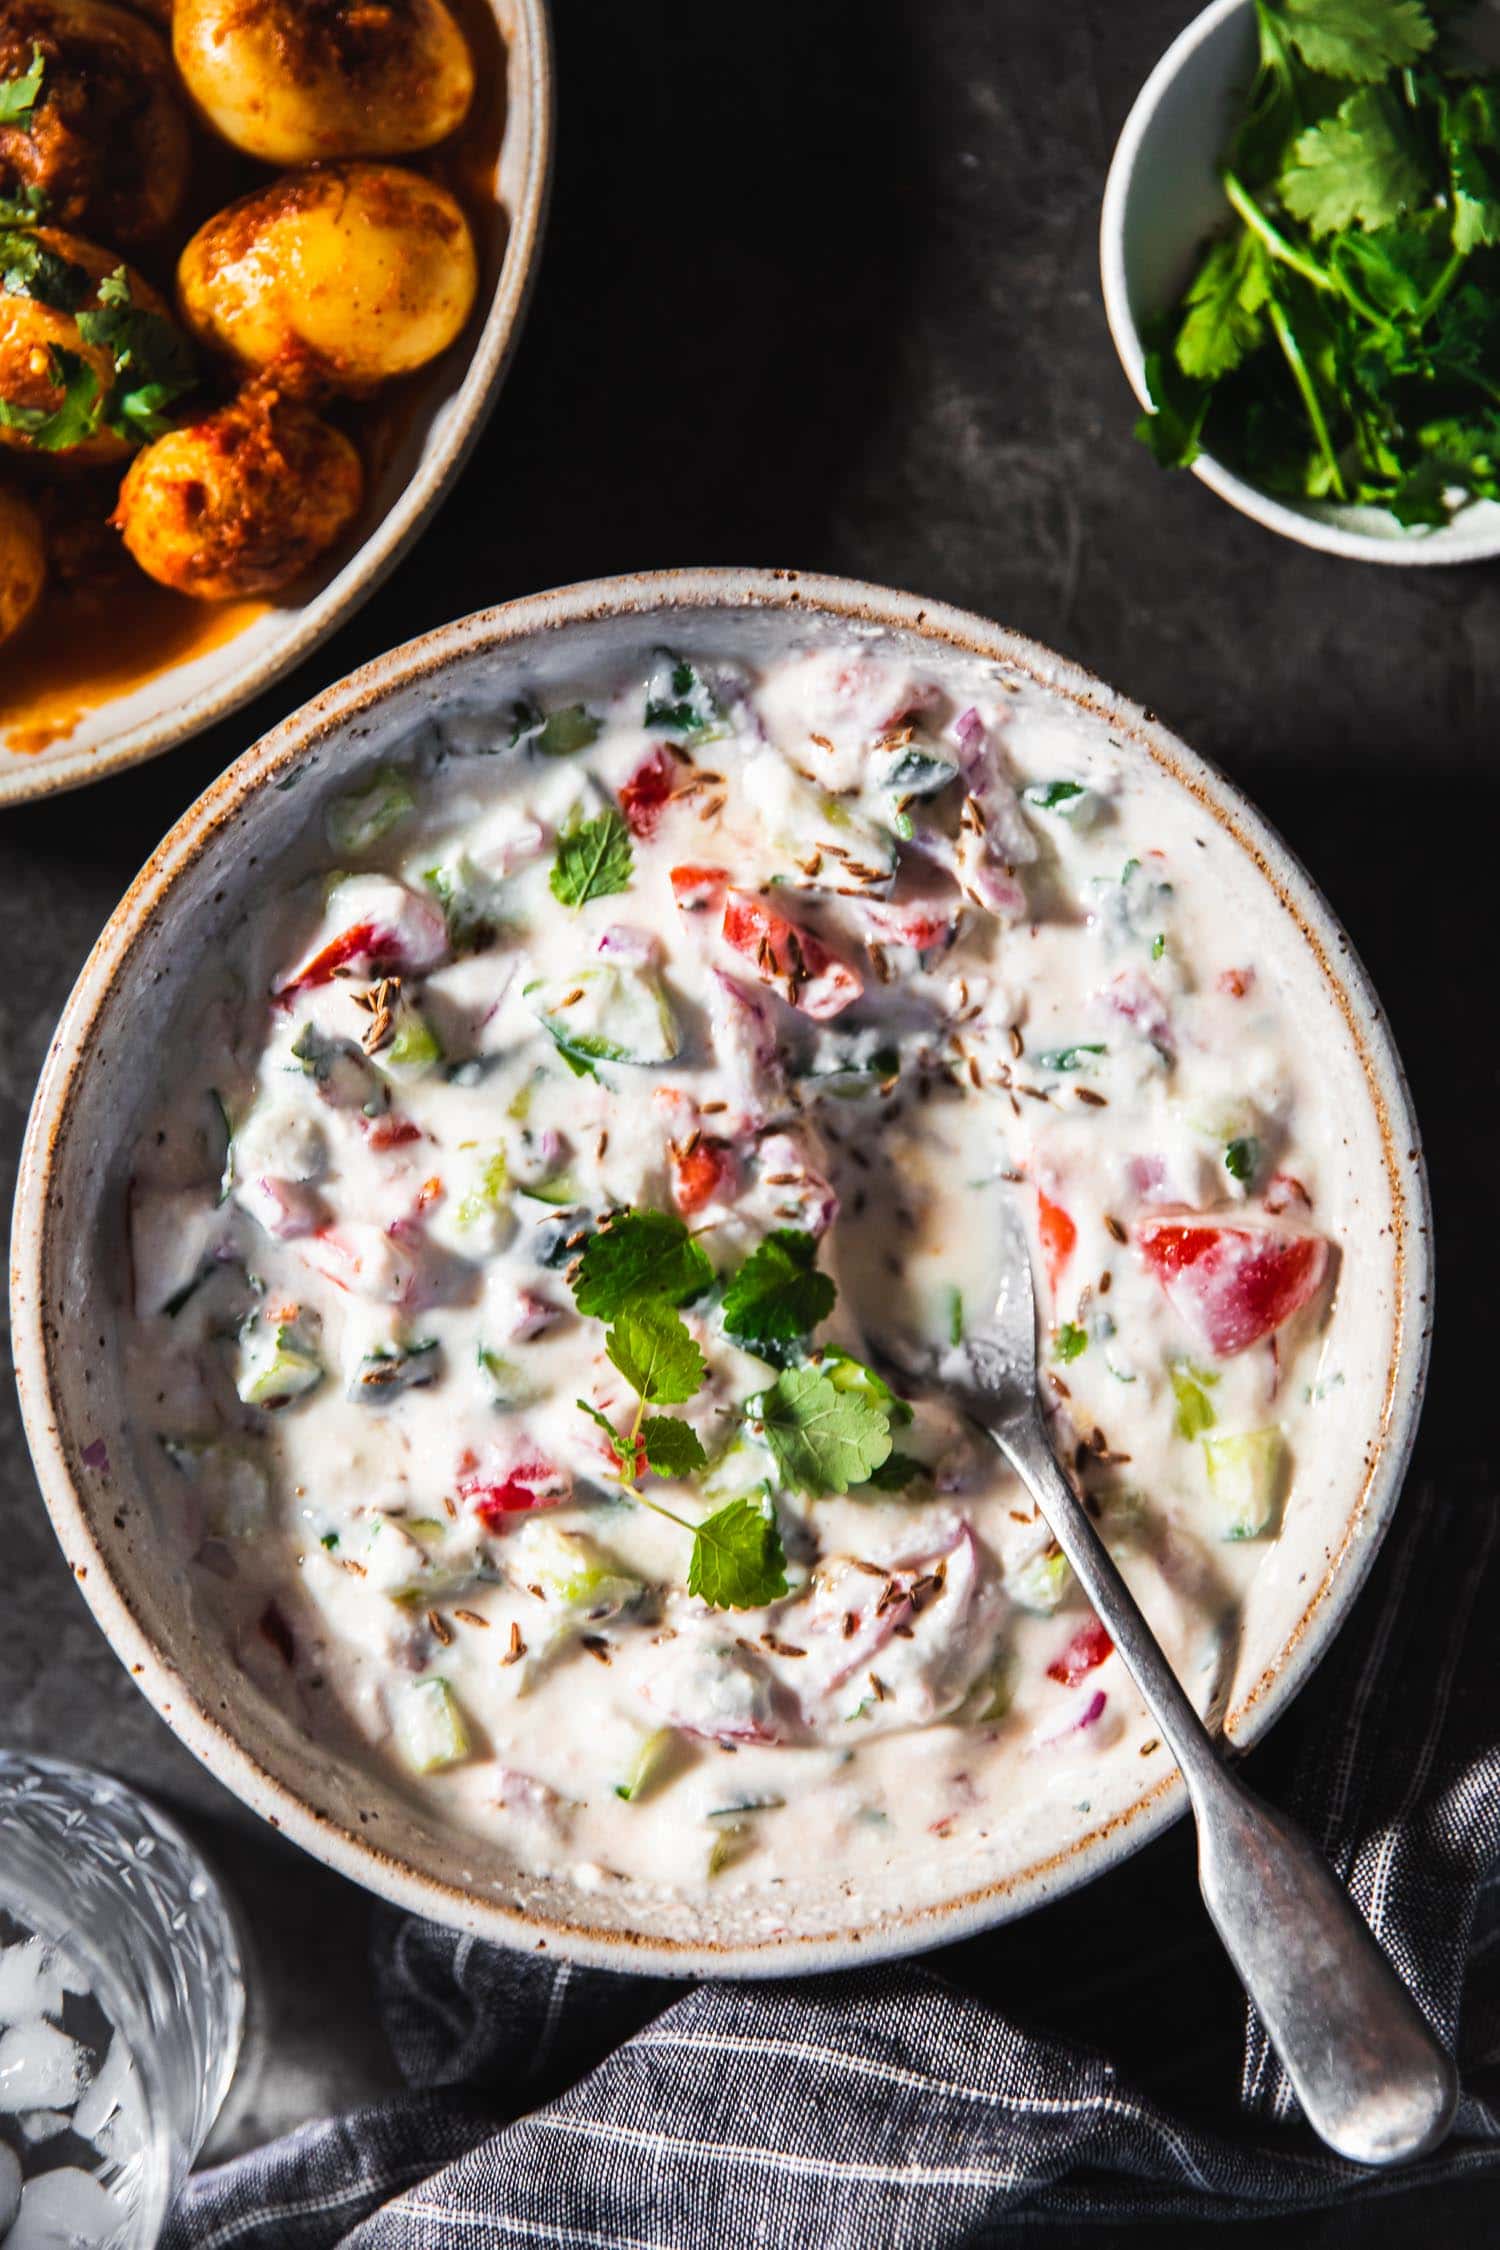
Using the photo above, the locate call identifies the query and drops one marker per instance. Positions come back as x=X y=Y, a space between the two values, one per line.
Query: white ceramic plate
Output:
x=68 y=1262
x=1161 y=202
x=448 y=409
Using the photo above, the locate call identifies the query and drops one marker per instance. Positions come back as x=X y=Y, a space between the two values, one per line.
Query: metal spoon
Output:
x=1372 y=2080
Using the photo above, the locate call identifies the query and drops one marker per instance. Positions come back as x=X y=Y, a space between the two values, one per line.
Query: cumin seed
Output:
x=517 y=1648
x=1113 y=1228
x=472 y=1617
x=439 y=1627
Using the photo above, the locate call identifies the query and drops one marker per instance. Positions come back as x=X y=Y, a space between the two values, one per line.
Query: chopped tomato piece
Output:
x=530 y=1484
x=390 y=1131
x=1236 y=982
x=643 y=795
x=1285 y=1192
x=358 y=946
x=702 y=1173
x=694 y=888
x=1089 y=1646
x=1058 y=1235
x=1232 y=1284
x=790 y=960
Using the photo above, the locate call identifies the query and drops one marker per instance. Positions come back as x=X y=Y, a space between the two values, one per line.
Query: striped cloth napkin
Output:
x=1094 y=2064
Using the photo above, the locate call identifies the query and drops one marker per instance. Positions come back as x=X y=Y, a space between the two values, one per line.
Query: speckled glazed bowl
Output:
x=69 y=1269
x=441 y=415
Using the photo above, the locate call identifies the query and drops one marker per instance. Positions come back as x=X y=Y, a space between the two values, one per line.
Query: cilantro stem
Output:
x=1275 y=241
x=1304 y=383
x=1441 y=287
x=1331 y=282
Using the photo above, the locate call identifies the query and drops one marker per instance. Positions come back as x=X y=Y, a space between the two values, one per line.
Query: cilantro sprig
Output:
x=594 y=859
x=1340 y=337
x=634 y=1273
x=19 y=96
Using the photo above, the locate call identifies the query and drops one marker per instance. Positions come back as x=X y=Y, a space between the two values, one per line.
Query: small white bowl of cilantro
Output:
x=1300 y=247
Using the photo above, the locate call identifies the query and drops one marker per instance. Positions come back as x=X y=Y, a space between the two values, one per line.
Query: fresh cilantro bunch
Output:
x=826 y=1420
x=1340 y=339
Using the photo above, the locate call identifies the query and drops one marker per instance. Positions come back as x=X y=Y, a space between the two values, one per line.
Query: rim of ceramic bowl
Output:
x=650 y=597
x=1411 y=549
x=533 y=102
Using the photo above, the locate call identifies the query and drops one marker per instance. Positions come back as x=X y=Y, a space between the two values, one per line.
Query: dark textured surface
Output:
x=820 y=289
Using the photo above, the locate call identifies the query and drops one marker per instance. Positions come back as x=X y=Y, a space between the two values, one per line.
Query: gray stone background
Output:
x=820 y=289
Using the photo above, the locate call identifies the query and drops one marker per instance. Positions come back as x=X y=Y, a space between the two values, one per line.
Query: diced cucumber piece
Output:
x=846 y=1373
x=1245 y=1474
x=611 y=1014
x=992 y=1693
x=470 y=900
x=1190 y=1387
x=564 y=731
x=344 y=1076
x=732 y=1839
x=393 y=1368
x=1040 y=1585
x=414 y=1047
x=489 y=1192
x=508 y=1387
x=430 y=1730
x=276 y=1364
x=571 y=1569
x=231 y=1483
x=798 y=817
x=1072 y=801
x=910 y=770
x=646 y=1766
x=559 y=1189
x=355 y=822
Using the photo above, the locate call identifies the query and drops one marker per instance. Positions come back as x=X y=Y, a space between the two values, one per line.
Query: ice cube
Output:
x=44 y=2124
x=98 y=2099
x=64 y=2210
x=10 y=2185
x=32 y=1982
x=40 y=2068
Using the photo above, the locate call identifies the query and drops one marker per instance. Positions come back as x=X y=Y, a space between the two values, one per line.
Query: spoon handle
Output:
x=1371 y=2077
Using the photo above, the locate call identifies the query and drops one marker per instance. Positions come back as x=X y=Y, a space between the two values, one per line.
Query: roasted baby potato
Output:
x=69 y=312
x=23 y=562
x=293 y=81
x=338 y=278
x=242 y=502
x=96 y=127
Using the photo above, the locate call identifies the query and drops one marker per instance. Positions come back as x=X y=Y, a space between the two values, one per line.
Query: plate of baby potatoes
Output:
x=262 y=265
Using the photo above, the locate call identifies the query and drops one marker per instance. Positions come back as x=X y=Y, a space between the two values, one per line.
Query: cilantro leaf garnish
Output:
x=778 y=1295
x=641 y=1254
x=681 y=702
x=594 y=860
x=19 y=96
x=59 y=428
x=1355 y=169
x=738 y=1561
x=29 y=268
x=154 y=362
x=672 y=1447
x=1069 y=1341
x=823 y=1439
x=1241 y=1158
x=654 y=1352
x=1360 y=39
x=1048 y=795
